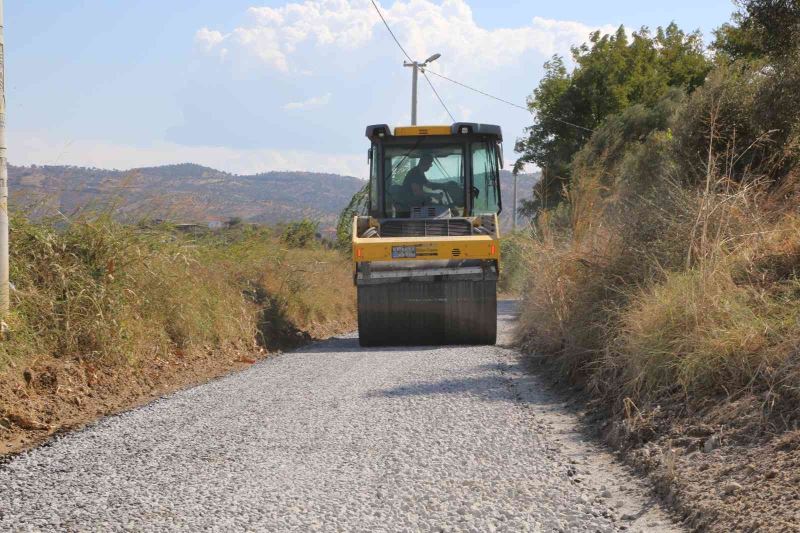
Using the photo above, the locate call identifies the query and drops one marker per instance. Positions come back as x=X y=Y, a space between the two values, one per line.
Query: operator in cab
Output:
x=415 y=182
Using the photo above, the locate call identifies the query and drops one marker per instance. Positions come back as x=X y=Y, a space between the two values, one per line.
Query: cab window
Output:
x=485 y=179
x=423 y=175
x=374 y=168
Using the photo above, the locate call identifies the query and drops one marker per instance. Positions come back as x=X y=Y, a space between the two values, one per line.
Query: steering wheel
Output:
x=454 y=193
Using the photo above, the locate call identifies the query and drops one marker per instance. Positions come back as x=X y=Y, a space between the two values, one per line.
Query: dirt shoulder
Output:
x=106 y=316
x=51 y=396
x=725 y=467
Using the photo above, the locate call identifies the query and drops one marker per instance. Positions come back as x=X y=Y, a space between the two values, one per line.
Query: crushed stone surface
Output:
x=337 y=438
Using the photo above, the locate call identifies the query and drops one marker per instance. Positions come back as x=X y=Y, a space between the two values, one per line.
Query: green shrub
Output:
x=514 y=248
x=344 y=226
x=673 y=266
x=95 y=289
x=300 y=234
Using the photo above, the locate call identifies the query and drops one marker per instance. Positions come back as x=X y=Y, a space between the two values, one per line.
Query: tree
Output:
x=233 y=222
x=760 y=28
x=612 y=73
x=357 y=206
x=300 y=234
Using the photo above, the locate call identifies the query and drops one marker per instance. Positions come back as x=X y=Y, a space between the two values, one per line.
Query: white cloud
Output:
x=36 y=148
x=311 y=103
x=210 y=41
x=208 y=38
x=277 y=35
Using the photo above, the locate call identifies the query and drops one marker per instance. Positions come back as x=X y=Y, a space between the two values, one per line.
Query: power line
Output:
x=479 y=91
x=390 y=31
x=396 y=40
x=437 y=95
x=505 y=101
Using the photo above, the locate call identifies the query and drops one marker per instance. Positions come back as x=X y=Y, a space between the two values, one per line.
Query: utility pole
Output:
x=416 y=66
x=4 y=293
x=414 y=78
x=514 y=211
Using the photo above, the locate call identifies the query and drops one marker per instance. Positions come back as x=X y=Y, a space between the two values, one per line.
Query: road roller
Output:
x=427 y=254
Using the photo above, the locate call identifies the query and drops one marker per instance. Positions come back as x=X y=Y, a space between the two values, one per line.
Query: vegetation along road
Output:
x=337 y=438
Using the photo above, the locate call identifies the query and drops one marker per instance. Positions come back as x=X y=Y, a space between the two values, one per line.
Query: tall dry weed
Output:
x=644 y=286
x=96 y=290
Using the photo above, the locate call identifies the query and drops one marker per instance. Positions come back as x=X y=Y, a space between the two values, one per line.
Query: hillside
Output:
x=666 y=283
x=193 y=193
x=183 y=192
x=525 y=183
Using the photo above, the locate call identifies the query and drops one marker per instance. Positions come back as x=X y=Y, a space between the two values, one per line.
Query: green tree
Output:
x=760 y=28
x=612 y=73
x=300 y=234
x=357 y=206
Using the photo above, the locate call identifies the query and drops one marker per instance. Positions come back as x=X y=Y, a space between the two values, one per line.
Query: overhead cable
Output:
x=437 y=95
x=400 y=46
x=506 y=101
x=478 y=91
x=390 y=31
x=464 y=85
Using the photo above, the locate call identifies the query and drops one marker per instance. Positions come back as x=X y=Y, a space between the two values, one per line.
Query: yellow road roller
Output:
x=427 y=256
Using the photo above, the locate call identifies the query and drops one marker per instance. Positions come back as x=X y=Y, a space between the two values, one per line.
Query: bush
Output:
x=104 y=291
x=750 y=109
x=301 y=234
x=701 y=332
x=662 y=276
x=344 y=226
x=115 y=294
x=514 y=249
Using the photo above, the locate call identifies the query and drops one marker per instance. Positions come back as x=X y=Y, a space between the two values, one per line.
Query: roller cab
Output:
x=427 y=255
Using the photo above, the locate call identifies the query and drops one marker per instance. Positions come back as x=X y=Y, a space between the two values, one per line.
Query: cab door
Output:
x=485 y=178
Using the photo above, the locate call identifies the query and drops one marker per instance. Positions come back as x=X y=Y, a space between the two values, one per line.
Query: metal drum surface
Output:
x=428 y=313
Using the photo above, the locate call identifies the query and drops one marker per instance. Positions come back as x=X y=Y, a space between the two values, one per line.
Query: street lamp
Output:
x=416 y=65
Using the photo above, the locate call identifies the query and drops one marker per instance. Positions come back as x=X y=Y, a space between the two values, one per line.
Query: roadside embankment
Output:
x=667 y=284
x=106 y=316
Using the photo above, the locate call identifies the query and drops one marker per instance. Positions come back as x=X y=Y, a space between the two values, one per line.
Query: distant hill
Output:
x=525 y=183
x=193 y=193
x=186 y=192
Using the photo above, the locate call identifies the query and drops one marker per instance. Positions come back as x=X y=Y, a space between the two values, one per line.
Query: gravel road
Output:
x=336 y=438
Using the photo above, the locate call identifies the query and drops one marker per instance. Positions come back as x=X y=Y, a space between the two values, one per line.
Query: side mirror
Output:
x=500 y=154
x=369 y=156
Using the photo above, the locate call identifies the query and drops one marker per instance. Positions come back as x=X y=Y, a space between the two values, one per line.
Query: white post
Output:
x=414 y=76
x=4 y=294
x=514 y=211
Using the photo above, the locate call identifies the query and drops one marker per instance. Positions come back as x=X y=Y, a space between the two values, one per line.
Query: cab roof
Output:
x=458 y=128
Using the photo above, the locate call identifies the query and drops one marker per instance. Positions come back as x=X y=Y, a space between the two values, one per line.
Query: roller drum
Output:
x=428 y=313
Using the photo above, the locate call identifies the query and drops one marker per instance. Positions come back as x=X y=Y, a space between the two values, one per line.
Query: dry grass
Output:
x=105 y=315
x=668 y=284
x=668 y=290
x=103 y=291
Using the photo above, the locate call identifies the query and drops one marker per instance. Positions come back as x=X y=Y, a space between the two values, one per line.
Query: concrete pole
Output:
x=414 y=77
x=4 y=293
x=514 y=211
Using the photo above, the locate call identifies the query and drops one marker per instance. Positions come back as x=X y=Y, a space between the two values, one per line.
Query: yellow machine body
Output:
x=426 y=268
x=486 y=247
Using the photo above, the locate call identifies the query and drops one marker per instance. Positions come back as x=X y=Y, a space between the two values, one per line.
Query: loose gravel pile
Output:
x=336 y=438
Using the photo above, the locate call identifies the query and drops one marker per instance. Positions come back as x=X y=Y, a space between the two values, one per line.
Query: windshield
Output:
x=424 y=176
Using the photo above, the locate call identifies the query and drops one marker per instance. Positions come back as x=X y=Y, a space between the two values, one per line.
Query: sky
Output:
x=247 y=87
